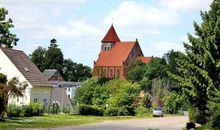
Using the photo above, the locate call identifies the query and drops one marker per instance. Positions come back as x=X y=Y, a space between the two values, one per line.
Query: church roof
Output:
x=111 y=36
x=144 y=59
x=116 y=55
x=26 y=67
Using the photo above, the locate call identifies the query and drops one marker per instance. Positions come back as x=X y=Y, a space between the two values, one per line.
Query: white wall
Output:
x=8 y=68
x=41 y=94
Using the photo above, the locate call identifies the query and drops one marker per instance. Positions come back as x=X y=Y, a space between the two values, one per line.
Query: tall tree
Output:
x=136 y=71
x=38 y=58
x=75 y=71
x=13 y=88
x=199 y=68
x=54 y=57
x=6 y=37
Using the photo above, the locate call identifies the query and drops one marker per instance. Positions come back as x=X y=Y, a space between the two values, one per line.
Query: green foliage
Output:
x=154 y=69
x=214 y=106
x=143 y=111
x=6 y=37
x=136 y=71
x=173 y=102
x=75 y=71
x=115 y=96
x=84 y=94
x=38 y=57
x=25 y=110
x=54 y=57
x=116 y=111
x=123 y=94
x=198 y=69
x=13 y=89
x=3 y=78
x=14 y=111
x=90 y=110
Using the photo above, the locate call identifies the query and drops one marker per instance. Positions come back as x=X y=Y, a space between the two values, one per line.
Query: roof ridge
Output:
x=111 y=36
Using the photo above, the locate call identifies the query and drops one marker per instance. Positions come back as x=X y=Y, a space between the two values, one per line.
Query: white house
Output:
x=15 y=63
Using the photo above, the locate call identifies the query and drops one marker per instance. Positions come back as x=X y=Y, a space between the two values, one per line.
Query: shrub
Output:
x=14 y=111
x=116 y=111
x=143 y=111
x=90 y=110
x=33 y=110
x=196 y=116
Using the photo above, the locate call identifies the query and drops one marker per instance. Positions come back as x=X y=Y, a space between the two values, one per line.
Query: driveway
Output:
x=160 y=123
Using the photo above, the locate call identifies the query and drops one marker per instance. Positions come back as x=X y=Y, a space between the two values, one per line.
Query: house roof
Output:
x=116 y=55
x=111 y=36
x=26 y=67
x=144 y=59
x=60 y=95
x=65 y=84
x=48 y=73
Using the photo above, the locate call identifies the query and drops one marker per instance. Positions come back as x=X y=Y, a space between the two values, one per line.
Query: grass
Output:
x=51 y=121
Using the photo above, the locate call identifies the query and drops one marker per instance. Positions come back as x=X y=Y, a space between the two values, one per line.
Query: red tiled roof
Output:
x=116 y=55
x=111 y=36
x=144 y=59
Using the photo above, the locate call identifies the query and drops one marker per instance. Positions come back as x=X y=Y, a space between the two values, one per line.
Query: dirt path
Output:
x=163 y=123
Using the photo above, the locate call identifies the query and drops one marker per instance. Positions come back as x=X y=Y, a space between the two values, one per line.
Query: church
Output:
x=116 y=56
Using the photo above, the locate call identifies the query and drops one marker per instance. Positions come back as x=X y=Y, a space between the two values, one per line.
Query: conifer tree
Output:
x=199 y=68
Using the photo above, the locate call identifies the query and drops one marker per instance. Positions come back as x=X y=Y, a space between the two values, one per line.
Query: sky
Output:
x=79 y=25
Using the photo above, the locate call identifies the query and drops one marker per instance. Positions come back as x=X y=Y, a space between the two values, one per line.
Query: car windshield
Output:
x=158 y=108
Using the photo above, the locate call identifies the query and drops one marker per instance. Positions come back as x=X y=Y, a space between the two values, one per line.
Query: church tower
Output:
x=110 y=39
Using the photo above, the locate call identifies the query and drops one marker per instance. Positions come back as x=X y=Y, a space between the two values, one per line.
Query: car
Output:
x=158 y=112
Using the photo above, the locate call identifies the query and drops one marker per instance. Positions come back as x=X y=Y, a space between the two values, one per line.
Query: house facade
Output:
x=116 y=56
x=57 y=81
x=15 y=63
x=53 y=75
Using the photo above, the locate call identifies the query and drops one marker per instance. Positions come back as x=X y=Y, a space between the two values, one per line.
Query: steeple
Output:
x=111 y=36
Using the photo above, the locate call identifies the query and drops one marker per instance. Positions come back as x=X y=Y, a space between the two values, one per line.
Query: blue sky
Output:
x=80 y=25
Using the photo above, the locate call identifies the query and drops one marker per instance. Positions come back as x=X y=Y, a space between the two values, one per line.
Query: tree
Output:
x=54 y=57
x=199 y=68
x=154 y=69
x=6 y=37
x=76 y=72
x=123 y=95
x=84 y=94
x=136 y=71
x=38 y=58
x=12 y=89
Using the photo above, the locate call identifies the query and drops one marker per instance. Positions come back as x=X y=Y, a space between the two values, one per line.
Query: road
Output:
x=160 y=123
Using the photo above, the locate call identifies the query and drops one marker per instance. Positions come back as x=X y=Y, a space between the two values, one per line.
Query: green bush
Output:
x=143 y=111
x=14 y=111
x=196 y=116
x=90 y=110
x=33 y=110
x=116 y=111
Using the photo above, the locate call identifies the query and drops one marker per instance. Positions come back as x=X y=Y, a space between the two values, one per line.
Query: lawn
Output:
x=49 y=121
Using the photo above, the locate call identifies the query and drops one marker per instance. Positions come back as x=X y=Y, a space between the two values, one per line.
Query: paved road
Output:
x=163 y=123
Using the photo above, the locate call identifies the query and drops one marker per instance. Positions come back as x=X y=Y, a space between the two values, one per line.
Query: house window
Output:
x=35 y=100
x=44 y=100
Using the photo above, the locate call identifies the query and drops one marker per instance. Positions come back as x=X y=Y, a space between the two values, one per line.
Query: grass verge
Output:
x=51 y=121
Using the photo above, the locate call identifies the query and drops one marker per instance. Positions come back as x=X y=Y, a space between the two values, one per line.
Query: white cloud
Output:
x=34 y=2
x=158 y=49
x=186 y=5
x=144 y=19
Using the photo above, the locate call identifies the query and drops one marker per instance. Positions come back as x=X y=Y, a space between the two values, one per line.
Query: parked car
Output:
x=158 y=112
